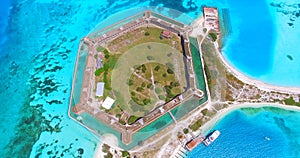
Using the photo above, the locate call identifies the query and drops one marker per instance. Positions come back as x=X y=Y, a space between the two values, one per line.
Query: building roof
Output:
x=166 y=33
x=191 y=145
x=99 y=63
x=108 y=103
x=100 y=89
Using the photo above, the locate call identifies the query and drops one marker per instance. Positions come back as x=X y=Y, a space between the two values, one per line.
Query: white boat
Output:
x=212 y=137
x=267 y=138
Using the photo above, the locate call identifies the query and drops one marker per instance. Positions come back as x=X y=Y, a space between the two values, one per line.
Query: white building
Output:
x=108 y=103
x=100 y=89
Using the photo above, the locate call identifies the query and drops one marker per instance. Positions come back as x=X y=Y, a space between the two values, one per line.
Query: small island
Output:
x=139 y=82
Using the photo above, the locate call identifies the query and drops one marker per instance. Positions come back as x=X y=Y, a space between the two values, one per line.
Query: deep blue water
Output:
x=38 y=45
x=244 y=132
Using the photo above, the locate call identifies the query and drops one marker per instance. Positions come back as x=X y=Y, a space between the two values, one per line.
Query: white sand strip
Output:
x=210 y=124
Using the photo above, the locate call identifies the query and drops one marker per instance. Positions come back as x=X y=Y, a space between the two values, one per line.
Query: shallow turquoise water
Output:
x=244 y=132
x=41 y=43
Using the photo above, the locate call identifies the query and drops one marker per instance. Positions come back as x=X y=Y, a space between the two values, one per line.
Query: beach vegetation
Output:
x=204 y=111
x=195 y=126
x=291 y=101
x=179 y=135
x=109 y=155
x=213 y=36
x=185 y=131
x=105 y=148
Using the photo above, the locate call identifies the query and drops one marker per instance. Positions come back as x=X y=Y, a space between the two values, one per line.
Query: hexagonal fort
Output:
x=131 y=75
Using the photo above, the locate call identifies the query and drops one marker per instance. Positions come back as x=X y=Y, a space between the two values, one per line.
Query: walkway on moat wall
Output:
x=193 y=102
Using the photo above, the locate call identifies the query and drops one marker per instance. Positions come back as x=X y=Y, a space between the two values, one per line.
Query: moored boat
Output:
x=211 y=138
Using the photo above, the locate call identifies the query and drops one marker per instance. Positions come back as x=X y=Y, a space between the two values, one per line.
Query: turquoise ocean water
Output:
x=251 y=132
x=38 y=46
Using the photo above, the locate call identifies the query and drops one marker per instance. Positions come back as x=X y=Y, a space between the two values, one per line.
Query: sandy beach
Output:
x=261 y=85
x=210 y=124
x=113 y=142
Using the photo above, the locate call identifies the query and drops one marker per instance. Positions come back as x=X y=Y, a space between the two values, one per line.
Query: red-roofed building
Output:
x=191 y=145
x=166 y=34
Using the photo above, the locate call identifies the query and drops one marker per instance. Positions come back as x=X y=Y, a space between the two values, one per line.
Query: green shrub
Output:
x=122 y=122
x=130 y=82
x=150 y=57
x=185 y=131
x=175 y=84
x=99 y=71
x=139 y=89
x=147 y=33
x=291 y=101
x=150 y=86
x=106 y=51
x=133 y=93
x=170 y=71
x=125 y=153
x=204 y=111
x=143 y=84
x=105 y=148
x=146 y=101
x=157 y=68
x=109 y=155
x=118 y=115
x=132 y=119
x=213 y=36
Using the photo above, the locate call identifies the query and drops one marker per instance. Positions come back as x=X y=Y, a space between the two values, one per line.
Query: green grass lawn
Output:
x=138 y=97
x=165 y=83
